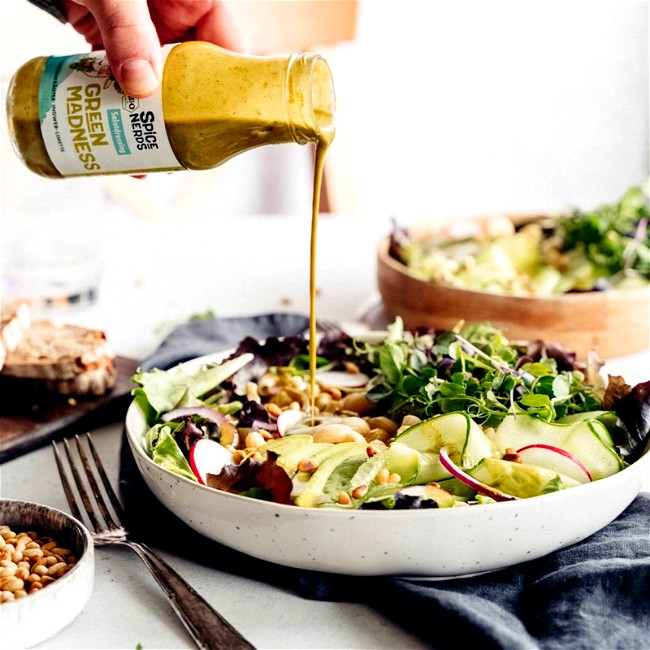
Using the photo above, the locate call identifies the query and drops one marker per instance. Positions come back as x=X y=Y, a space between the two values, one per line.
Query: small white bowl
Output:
x=27 y=621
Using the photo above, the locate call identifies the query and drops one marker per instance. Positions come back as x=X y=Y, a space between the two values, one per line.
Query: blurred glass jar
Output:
x=51 y=241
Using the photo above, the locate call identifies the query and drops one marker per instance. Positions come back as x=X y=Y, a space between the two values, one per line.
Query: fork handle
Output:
x=208 y=628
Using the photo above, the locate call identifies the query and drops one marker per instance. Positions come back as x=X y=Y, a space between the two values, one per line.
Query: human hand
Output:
x=131 y=32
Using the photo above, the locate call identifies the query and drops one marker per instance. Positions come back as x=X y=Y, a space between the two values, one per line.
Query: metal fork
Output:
x=206 y=626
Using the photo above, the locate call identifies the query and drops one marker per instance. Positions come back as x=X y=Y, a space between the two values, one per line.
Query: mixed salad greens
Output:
x=419 y=419
x=606 y=248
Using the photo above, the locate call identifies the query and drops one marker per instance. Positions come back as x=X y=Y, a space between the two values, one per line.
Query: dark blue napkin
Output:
x=594 y=595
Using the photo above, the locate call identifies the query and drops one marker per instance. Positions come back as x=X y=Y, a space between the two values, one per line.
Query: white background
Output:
x=445 y=107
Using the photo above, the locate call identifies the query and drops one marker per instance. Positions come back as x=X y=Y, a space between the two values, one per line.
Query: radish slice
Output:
x=465 y=478
x=555 y=458
x=342 y=379
x=203 y=411
x=287 y=419
x=208 y=457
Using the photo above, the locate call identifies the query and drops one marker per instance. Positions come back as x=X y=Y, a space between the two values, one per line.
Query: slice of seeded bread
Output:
x=71 y=359
x=15 y=318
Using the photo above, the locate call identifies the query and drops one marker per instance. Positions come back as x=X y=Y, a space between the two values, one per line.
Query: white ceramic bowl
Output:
x=438 y=543
x=38 y=616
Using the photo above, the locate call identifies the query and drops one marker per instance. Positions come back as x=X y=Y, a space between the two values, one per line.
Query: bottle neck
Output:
x=310 y=98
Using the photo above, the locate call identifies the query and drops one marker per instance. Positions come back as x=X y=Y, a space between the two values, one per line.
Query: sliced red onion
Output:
x=188 y=411
x=465 y=478
x=271 y=427
x=342 y=379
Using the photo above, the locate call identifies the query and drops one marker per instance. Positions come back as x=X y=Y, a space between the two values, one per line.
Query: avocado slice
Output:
x=290 y=459
x=311 y=493
x=519 y=479
x=287 y=443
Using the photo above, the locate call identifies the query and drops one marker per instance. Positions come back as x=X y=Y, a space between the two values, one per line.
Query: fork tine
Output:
x=67 y=489
x=99 y=499
x=81 y=488
x=117 y=506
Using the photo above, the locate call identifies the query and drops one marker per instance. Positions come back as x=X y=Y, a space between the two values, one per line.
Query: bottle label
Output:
x=91 y=126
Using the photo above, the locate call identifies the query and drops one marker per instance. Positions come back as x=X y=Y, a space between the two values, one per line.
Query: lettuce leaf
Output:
x=161 y=391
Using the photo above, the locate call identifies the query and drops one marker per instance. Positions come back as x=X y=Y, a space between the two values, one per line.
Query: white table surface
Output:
x=158 y=274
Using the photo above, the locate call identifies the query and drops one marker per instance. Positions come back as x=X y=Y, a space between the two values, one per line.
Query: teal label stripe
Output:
x=117 y=132
x=49 y=83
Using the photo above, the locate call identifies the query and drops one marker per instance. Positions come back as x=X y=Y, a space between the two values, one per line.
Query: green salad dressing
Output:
x=215 y=105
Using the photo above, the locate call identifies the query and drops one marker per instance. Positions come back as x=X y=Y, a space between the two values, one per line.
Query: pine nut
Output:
x=307 y=465
x=22 y=573
x=62 y=552
x=382 y=422
x=28 y=563
x=410 y=420
x=359 y=491
x=382 y=476
x=273 y=409
x=344 y=499
x=57 y=569
x=8 y=571
x=254 y=440
x=378 y=434
x=12 y=584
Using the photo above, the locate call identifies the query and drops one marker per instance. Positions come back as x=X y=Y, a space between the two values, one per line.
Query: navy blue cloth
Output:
x=594 y=595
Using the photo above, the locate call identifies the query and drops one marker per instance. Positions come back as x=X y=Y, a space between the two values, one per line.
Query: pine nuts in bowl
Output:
x=47 y=570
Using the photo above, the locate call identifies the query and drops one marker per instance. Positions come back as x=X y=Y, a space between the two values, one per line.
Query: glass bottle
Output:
x=67 y=116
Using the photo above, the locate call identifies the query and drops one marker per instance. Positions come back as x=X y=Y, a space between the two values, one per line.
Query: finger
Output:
x=131 y=43
x=217 y=26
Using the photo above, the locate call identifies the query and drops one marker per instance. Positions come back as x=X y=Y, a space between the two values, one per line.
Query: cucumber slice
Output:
x=588 y=440
x=465 y=441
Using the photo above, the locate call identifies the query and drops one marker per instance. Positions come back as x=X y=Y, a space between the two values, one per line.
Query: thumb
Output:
x=131 y=43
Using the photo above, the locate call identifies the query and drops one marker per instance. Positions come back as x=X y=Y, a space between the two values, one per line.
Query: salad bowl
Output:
x=424 y=544
x=613 y=323
x=565 y=278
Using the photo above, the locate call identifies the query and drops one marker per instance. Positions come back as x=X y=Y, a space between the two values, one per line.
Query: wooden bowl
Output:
x=612 y=323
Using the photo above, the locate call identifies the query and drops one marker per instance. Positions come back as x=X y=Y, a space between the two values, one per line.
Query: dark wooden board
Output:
x=31 y=417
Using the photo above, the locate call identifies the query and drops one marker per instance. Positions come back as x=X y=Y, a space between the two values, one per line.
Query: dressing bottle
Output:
x=68 y=116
